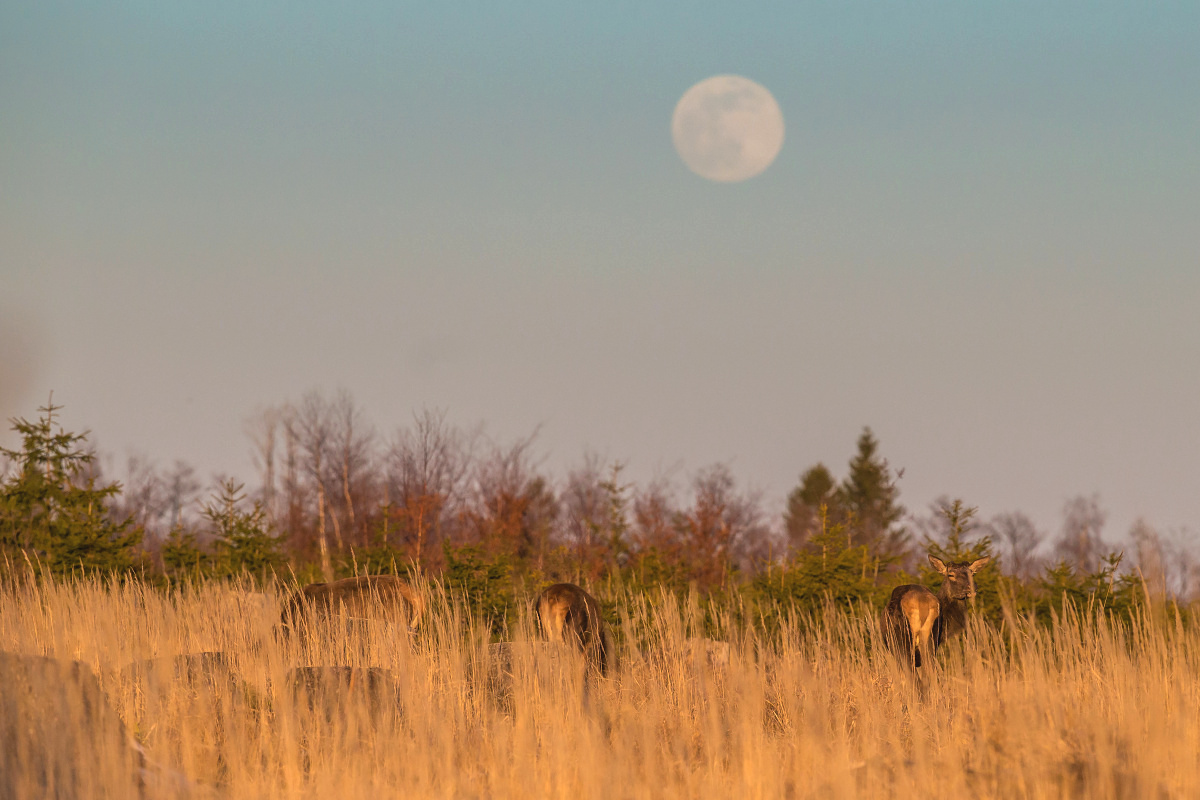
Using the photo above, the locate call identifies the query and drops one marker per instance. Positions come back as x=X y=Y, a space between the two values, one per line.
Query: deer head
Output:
x=960 y=578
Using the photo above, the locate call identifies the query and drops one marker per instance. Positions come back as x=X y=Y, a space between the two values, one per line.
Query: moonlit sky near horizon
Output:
x=981 y=237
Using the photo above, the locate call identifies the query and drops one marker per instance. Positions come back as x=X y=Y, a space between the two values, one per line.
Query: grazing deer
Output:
x=568 y=614
x=917 y=621
x=384 y=597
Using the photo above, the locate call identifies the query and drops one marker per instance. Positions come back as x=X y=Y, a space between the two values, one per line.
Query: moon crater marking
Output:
x=727 y=128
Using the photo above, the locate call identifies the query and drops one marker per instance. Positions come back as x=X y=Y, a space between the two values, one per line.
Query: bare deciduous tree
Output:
x=263 y=429
x=1019 y=540
x=182 y=489
x=595 y=523
x=313 y=426
x=723 y=528
x=143 y=498
x=353 y=447
x=1150 y=552
x=294 y=499
x=512 y=508
x=584 y=504
x=654 y=516
x=1182 y=565
x=1080 y=542
x=427 y=465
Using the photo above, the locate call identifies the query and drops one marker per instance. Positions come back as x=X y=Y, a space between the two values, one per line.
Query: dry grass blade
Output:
x=123 y=685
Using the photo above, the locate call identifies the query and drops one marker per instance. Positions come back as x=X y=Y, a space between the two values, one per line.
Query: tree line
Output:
x=334 y=498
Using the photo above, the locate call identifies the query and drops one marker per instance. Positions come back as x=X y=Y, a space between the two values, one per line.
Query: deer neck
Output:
x=953 y=613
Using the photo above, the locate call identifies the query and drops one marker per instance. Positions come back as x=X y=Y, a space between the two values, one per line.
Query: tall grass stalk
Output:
x=1084 y=707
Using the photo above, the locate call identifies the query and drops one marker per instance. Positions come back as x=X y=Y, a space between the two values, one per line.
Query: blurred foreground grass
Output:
x=1085 y=707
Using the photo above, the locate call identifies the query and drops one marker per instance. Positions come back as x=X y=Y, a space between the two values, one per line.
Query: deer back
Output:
x=385 y=597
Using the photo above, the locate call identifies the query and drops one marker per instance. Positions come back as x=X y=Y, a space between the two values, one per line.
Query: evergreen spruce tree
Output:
x=183 y=556
x=52 y=511
x=868 y=499
x=830 y=568
x=802 y=518
x=243 y=538
x=960 y=522
x=616 y=515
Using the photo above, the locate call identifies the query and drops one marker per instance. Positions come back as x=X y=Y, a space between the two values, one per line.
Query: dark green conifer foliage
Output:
x=51 y=510
x=483 y=582
x=868 y=498
x=650 y=570
x=957 y=549
x=243 y=538
x=960 y=522
x=183 y=556
x=831 y=567
x=617 y=515
x=1062 y=586
x=801 y=519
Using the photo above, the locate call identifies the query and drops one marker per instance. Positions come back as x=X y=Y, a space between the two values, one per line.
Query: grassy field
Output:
x=1078 y=709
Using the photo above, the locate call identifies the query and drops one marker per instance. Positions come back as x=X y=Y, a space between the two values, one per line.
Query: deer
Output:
x=917 y=621
x=568 y=614
x=957 y=588
x=383 y=597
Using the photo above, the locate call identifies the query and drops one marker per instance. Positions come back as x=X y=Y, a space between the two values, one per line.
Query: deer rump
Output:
x=566 y=613
x=911 y=623
x=384 y=597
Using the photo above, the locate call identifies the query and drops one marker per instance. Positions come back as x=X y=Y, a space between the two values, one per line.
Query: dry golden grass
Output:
x=1084 y=709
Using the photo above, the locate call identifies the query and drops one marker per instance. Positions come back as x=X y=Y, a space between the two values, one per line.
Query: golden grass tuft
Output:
x=1083 y=708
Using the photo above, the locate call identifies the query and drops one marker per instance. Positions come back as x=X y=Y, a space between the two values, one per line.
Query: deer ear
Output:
x=980 y=564
x=937 y=564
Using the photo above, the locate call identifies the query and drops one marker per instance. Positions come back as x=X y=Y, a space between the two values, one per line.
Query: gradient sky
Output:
x=981 y=237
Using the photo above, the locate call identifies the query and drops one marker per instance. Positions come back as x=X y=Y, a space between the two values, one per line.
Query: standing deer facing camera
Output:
x=568 y=614
x=957 y=588
x=916 y=621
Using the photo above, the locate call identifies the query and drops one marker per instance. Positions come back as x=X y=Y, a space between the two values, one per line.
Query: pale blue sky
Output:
x=980 y=237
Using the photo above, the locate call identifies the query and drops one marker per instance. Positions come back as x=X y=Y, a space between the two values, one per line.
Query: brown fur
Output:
x=566 y=613
x=909 y=621
x=916 y=621
x=957 y=589
x=384 y=597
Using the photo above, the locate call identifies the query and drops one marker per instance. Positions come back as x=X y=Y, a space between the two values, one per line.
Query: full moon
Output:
x=727 y=128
